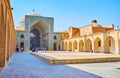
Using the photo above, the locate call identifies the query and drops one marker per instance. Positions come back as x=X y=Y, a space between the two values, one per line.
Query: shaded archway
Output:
x=62 y=47
x=109 y=45
x=88 y=46
x=34 y=38
x=55 y=46
x=70 y=46
x=75 y=45
x=97 y=44
x=65 y=45
x=39 y=36
x=22 y=36
x=55 y=37
x=81 y=45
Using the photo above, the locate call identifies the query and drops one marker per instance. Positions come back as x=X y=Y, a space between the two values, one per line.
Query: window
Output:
x=55 y=37
x=110 y=43
x=99 y=43
x=82 y=44
x=22 y=36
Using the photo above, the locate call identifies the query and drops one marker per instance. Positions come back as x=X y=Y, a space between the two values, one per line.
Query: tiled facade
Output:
x=7 y=32
x=45 y=27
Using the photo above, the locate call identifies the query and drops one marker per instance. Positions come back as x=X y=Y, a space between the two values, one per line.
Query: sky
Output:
x=67 y=13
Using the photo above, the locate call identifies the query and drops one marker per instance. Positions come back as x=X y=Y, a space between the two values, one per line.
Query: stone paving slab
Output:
x=24 y=65
x=105 y=70
x=1 y=68
x=60 y=57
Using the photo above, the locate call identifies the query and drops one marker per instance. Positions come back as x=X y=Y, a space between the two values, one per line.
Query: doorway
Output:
x=22 y=45
x=55 y=46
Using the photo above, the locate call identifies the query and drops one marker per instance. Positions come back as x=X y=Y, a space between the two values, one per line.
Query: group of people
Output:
x=21 y=49
x=34 y=50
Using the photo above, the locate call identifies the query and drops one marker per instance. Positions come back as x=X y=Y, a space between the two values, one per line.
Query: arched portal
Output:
x=97 y=45
x=55 y=46
x=74 y=45
x=34 y=38
x=109 y=45
x=70 y=46
x=81 y=45
x=88 y=45
x=39 y=36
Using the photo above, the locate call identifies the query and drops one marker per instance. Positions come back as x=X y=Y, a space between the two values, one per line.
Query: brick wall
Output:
x=7 y=32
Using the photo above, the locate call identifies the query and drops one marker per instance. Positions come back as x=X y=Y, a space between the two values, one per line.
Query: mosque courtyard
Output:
x=26 y=65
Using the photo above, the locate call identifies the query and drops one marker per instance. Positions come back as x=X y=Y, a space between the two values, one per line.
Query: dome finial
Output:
x=94 y=21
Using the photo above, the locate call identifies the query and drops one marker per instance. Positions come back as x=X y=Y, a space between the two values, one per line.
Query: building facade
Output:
x=92 y=37
x=7 y=32
x=35 y=31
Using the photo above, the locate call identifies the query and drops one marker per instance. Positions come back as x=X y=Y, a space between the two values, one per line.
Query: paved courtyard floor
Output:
x=25 y=65
x=1 y=68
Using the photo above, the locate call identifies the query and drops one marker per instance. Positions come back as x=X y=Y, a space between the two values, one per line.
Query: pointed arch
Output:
x=97 y=44
x=74 y=45
x=109 y=45
x=70 y=46
x=88 y=45
x=40 y=25
x=39 y=38
x=65 y=45
x=62 y=45
x=55 y=46
x=81 y=45
x=22 y=36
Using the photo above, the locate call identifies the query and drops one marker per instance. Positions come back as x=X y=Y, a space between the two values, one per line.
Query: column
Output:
x=72 y=46
x=78 y=45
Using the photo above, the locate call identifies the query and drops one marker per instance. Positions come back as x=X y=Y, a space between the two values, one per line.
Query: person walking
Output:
x=36 y=49
x=17 y=49
x=91 y=51
x=22 y=49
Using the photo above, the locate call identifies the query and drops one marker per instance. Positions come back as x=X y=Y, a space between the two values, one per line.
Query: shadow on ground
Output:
x=25 y=65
